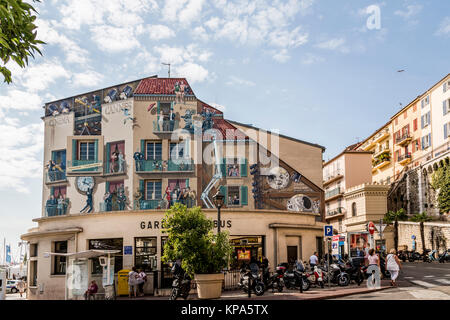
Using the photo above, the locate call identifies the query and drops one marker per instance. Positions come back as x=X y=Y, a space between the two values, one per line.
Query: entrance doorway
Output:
x=292 y=254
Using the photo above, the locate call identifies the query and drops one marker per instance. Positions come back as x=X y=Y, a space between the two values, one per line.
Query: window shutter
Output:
x=142 y=188
x=158 y=108
x=186 y=152
x=418 y=144
x=223 y=167
x=413 y=147
x=429 y=140
x=187 y=183
x=107 y=187
x=52 y=191
x=423 y=143
x=143 y=148
x=244 y=168
x=74 y=150
x=96 y=150
x=444 y=107
x=244 y=195
x=108 y=156
x=445 y=131
x=224 y=191
x=423 y=124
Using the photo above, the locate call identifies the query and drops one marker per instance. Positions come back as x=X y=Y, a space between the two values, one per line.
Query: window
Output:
x=115 y=156
x=179 y=150
x=425 y=101
x=154 y=151
x=86 y=150
x=426 y=119
x=145 y=253
x=426 y=141
x=405 y=114
x=153 y=190
x=405 y=131
x=107 y=244
x=59 y=157
x=415 y=108
x=354 y=209
x=33 y=250
x=59 y=191
x=232 y=168
x=446 y=130
x=33 y=273
x=415 y=124
x=388 y=180
x=340 y=225
x=59 y=262
x=446 y=106
x=446 y=86
x=416 y=145
x=234 y=198
x=396 y=121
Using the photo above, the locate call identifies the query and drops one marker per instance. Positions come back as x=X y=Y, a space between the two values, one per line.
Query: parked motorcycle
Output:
x=338 y=275
x=181 y=285
x=297 y=278
x=316 y=277
x=413 y=256
x=432 y=256
x=445 y=256
x=354 y=271
x=426 y=255
x=251 y=281
x=402 y=255
x=274 y=281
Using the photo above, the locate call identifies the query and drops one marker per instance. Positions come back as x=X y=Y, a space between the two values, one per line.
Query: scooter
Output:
x=432 y=256
x=316 y=277
x=445 y=256
x=354 y=271
x=296 y=278
x=274 y=281
x=338 y=275
x=181 y=285
x=413 y=256
x=251 y=281
x=402 y=255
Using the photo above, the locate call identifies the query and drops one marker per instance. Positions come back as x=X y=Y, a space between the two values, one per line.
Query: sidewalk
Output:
x=311 y=294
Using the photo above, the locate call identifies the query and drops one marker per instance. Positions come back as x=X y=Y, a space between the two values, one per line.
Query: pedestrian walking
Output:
x=393 y=265
x=372 y=258
x=313 y=260
x=21 y=286
x=141 y=281
x=132 y=282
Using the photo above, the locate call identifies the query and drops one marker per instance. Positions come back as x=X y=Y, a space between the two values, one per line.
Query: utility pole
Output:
x=167 y=64
x=381 y=235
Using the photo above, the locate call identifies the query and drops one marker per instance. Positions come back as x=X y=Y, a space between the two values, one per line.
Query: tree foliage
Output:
x=17 y=34
x=392 y=216
x=421 y=217
x=440 y=181
x=190 y=238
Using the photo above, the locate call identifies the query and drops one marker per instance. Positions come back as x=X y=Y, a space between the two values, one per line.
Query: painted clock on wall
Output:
x=85 y=183
x=278 y=178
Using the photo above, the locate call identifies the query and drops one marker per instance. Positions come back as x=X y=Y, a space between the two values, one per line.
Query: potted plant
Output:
x=203 y=254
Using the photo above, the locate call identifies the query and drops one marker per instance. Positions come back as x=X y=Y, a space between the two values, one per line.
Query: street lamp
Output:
x=218 y=201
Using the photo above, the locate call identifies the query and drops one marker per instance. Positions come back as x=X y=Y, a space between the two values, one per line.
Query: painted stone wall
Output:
x=437 y=235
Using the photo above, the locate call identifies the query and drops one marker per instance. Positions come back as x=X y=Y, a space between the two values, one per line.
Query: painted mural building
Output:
x=115 y=159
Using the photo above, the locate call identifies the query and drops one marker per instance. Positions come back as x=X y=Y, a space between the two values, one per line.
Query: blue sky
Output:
x=312 y=69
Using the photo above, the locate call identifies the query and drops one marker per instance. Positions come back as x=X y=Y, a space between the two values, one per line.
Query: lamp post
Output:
x=218 y=201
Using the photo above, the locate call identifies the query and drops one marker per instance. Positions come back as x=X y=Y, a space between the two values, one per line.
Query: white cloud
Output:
x=240 y=82
x=411 y=11
x=192 y=71
x=218 y=106
x=444 y=28
x=183 y=12
x=310 y=58
x=114 y=39
x=281 y=55
x=336 y=44
x=158 y=32
x=87 y=78
x=289 y=39
x=20 y=100
x=199 y=33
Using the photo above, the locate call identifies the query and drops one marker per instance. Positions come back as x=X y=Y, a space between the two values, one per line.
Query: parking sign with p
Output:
x=328 y=231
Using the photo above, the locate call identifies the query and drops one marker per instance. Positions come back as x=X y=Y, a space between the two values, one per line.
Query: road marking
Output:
x=423 y=283
x=409 y=277
x=428 y=276
x=429 y=294
x=444 y=281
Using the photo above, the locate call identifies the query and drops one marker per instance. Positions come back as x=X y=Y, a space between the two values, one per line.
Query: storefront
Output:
x=139 y=239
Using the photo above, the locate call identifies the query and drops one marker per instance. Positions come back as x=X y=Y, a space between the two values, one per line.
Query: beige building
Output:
x=116 y=158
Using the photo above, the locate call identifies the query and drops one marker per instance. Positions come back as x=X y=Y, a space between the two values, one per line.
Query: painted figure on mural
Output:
x=50 y=206
x=139 y=160
x=61 y=204
x=138 y=196
x=208 y=119
x=168 y=197
x=177 y=92
x=121 y=160
x=182 y=92
x=172 y=118
x=161 y=122
x=316 y=206
x=89 y=203
x=108 y=201
x=114 y=160
x=188 y=120
x=121 y=200
x=65 y=107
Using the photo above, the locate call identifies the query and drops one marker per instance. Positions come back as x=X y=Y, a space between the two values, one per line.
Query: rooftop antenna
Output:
x=167 y=64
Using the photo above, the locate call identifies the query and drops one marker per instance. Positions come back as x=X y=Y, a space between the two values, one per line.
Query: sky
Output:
x=322 y=71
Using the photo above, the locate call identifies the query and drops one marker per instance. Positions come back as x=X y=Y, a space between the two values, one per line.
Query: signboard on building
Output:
x=358 y=244
x=328 y=231
x=128 y=250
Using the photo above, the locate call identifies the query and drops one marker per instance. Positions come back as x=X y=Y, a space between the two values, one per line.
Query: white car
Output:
x=11 y=286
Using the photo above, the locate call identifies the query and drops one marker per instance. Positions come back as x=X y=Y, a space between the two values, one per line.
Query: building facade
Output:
x=118 y=157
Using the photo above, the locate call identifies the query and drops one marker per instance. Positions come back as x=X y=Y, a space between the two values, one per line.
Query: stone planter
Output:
x=209 y=286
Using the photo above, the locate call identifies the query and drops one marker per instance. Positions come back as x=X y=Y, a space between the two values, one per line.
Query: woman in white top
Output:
x=393 y=265
x=132 y=281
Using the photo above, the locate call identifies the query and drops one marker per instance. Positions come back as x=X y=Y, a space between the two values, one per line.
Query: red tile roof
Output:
x=160 y=86
x=227 y=130
x=208 y=107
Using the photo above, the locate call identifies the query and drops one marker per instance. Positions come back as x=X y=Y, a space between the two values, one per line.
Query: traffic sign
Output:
x=383 y=226
x=371 y=227
x=413 y=237
x=328 y=230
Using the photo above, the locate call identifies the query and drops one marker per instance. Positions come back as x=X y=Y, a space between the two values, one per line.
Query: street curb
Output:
x=344 y=294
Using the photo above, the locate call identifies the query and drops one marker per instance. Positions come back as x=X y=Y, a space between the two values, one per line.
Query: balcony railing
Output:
x=117 y=167
x=403 y=139
x=56 y=207
x=161 y=204
x=336 y=211
x=111 y=206
x=404 y=157
x=55 y=176
x=165 y=126
x=333 y=192
x=81 y=166
x=180 y=165
x=333 y=175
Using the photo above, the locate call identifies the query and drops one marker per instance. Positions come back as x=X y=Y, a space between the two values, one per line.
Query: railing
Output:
x=111 y=206
x=56 y=207
x=165 y=125
x=55 y=176
x=181 y=165
x=161 y=204
x=336 y=211
x=334 y=174
x=380 y=134
x=333 y=192
x=402 y=138
x=404 y=157
x=117 y=167
x=85 y=166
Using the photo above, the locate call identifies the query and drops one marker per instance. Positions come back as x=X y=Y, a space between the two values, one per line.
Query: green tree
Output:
x=17 y=34
x=421 y=218
x=440 y=181
x=395 y=217
x=190 y=238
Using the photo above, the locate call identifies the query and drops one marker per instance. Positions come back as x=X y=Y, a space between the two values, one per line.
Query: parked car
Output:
x=11 y=286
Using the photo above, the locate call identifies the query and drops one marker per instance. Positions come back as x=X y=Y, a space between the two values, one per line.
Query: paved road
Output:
x=15 y=296
x=417 y=281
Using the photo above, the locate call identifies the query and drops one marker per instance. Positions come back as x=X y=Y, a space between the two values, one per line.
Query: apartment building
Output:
x=116 y=158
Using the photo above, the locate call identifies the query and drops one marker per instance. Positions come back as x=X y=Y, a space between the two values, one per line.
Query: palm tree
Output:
x=395 y=217
x=421 y=218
